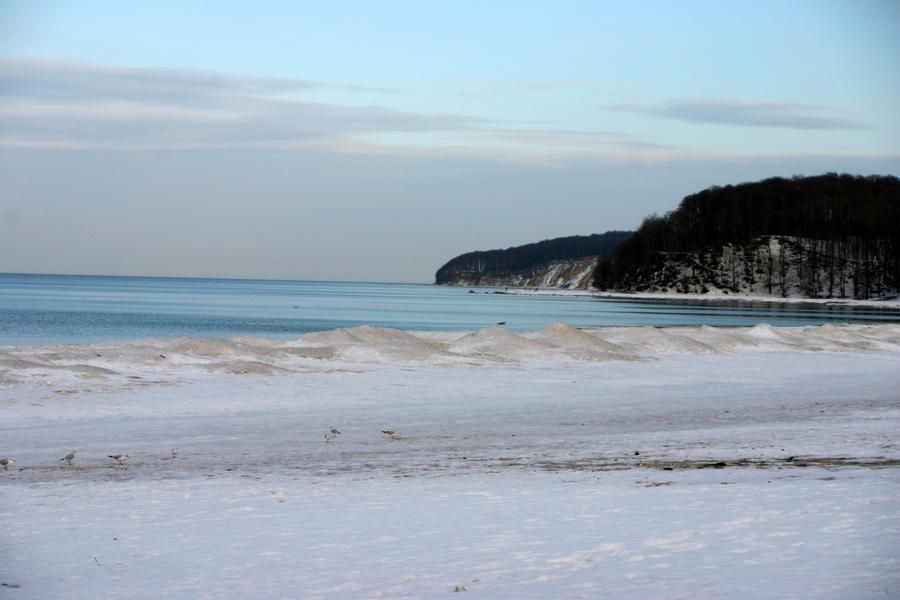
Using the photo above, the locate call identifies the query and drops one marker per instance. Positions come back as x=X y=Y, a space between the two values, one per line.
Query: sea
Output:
x=40 y=309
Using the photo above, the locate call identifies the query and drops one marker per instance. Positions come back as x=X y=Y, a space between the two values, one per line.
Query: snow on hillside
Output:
x=561 y=274
x=780 y=266
x=628 y=463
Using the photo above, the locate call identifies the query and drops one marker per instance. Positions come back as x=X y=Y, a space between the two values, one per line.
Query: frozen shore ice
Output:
x=741 y=462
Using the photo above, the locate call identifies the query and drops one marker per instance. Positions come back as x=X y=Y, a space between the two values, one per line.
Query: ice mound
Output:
x=147 y=352
x=247 y=350
x=580 y=344
x=18 y=364
x=652 y=340
x=768 y=337
x=720 y=338
x=315 y=352
x=208 y=347
x=498 y=342
x=252 y=340
x=365 y=340
x=335 y=337
x=772 y=338
x=841 y=338
x=764 y=331
x=887 y=335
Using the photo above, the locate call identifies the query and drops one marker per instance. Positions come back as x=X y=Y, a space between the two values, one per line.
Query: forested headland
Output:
x=520 y=264
x=823 y=236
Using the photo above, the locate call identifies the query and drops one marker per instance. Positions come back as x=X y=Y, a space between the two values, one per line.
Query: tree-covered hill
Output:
x=829 y=235
x=512 y=263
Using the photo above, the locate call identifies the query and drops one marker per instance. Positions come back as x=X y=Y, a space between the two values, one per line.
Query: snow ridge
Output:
x=109 y=361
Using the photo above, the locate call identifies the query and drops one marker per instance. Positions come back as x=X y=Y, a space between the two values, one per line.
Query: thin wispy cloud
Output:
x=608 y=140
x=544 y=147
x=88 y=82
x=747 y=113
x=72 y=105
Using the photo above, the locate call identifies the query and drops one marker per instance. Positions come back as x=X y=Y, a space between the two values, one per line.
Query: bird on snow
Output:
x=391 y=434
x=7 y=463
x=119 y=458
x=69 y=457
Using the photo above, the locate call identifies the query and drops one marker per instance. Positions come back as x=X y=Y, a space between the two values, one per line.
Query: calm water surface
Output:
x=43 y=309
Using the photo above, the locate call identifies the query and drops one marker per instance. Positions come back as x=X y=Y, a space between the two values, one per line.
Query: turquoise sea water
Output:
x=43 y=309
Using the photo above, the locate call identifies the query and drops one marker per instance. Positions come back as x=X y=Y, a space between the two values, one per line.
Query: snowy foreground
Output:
x=625 y=463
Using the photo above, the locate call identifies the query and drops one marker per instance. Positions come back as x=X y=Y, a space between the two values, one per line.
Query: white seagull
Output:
x=119 y=458
x=174 y=452
x=391 y=434
x=69 y=457
x=7 y=463
x=332 y=433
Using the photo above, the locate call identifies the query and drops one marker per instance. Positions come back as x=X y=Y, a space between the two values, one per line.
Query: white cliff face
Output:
x=562 y=274
x=572 y=274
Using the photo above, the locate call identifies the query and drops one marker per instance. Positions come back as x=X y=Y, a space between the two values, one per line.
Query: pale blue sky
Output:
x=273 y=132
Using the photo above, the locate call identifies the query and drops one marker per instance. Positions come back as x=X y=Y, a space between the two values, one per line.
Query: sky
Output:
x=374 y=141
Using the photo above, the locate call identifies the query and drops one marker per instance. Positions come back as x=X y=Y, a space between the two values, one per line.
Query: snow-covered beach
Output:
x=616 y=462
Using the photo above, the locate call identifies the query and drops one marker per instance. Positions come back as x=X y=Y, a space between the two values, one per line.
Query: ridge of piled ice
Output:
x=653 y=340
x=500 y=343
x=582 y=345
x=327 y=350
x=366 y=341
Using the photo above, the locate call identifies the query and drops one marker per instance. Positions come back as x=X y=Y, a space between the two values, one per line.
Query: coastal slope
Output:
x=829 y=236
x=567 y=262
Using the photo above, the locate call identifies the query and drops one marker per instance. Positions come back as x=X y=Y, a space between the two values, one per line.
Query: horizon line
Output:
x=213 y=277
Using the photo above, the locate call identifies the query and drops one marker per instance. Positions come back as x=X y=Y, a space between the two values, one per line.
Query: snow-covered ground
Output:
x=563 y=463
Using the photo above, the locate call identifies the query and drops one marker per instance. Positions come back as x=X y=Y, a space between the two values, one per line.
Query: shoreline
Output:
x=367 y=335
x=892 y=304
